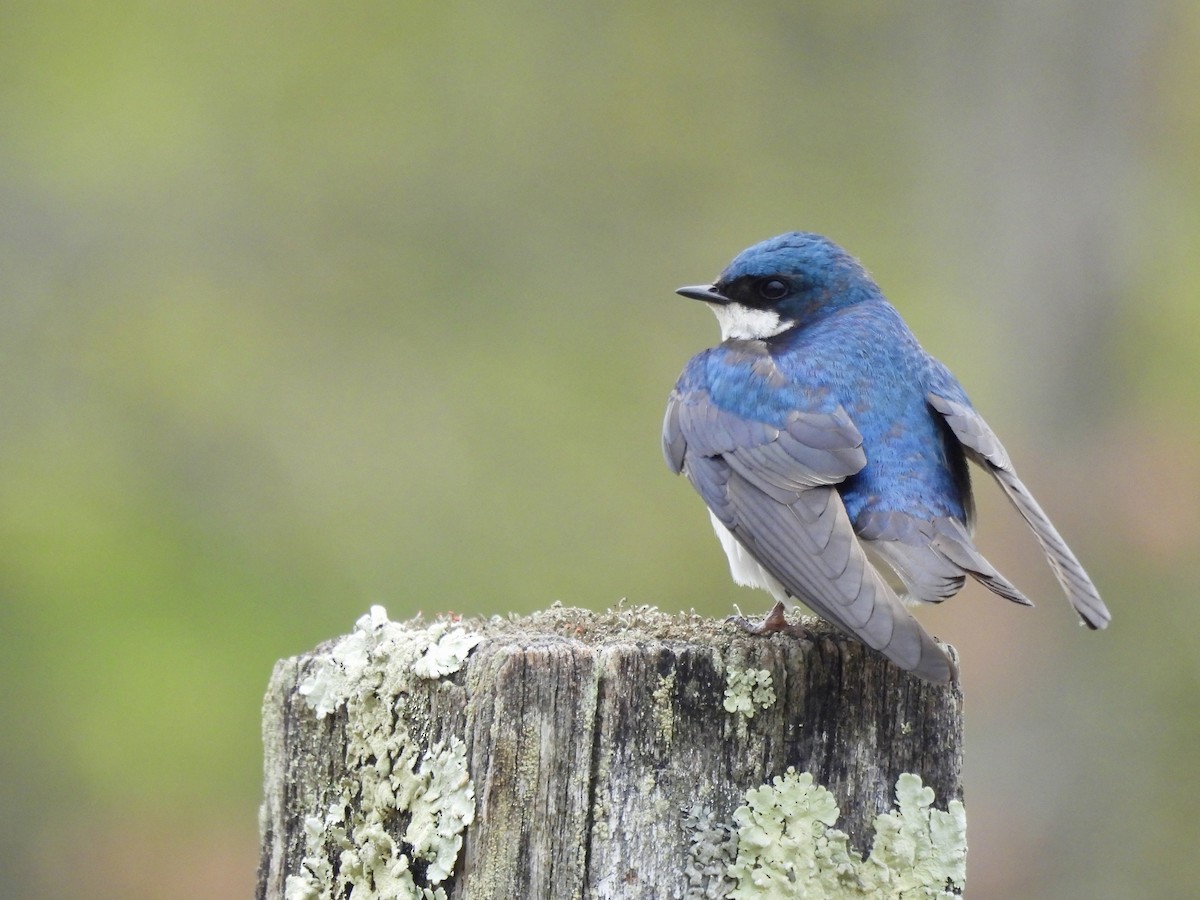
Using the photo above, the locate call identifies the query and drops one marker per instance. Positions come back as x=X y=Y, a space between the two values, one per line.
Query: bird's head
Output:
x=783 y=282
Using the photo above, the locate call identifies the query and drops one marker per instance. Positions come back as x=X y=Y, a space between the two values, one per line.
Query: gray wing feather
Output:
x=809 y=545
x=985 y=449
x=772 y=488
x=673 y=443
x=931 y=557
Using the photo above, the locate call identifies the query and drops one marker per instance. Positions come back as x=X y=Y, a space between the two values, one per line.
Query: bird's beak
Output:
x=705 y=292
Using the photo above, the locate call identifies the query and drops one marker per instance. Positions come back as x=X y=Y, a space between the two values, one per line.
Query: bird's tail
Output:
x=1070 y=573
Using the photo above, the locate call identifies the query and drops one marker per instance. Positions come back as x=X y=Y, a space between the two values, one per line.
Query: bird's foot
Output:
x=775 y=622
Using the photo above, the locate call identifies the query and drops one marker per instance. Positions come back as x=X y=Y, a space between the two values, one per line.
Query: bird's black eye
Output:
x=773 y=288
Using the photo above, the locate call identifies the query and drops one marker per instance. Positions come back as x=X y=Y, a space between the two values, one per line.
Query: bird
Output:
x=832 y=453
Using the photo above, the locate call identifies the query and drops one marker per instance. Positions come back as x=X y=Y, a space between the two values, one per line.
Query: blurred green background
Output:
x=310 y=306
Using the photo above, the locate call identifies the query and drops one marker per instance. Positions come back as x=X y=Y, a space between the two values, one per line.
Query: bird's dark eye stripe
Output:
x=756 y=290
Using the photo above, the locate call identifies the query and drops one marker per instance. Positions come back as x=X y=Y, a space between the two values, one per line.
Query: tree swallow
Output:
x=830 y=449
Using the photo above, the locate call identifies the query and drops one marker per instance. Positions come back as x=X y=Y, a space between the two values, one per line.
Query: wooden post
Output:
x=625 y=755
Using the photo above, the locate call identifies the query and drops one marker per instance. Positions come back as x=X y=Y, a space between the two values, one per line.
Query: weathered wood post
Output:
x=625 y=755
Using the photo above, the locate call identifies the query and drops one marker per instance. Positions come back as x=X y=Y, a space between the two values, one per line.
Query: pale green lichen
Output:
x=711 y=845
x=746 y=689
x=338 y=673
x=447 y=655
x=664 y=708
x=918 y=850
x=787 y=846
x=393 y=826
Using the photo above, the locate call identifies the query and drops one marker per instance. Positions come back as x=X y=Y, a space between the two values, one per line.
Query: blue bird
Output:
x=830 y=448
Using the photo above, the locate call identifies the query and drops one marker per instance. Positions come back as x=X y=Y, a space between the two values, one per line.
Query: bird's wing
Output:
x=773 y=489
x=932 y=557
x=984 y=448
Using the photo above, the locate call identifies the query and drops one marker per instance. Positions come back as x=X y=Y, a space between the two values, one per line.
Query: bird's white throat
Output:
x=744 y=323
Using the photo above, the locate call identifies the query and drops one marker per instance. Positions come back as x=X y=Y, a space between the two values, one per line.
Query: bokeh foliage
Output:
x=313 y=306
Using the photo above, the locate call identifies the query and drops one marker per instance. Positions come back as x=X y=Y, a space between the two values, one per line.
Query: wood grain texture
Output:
x=590 y=737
